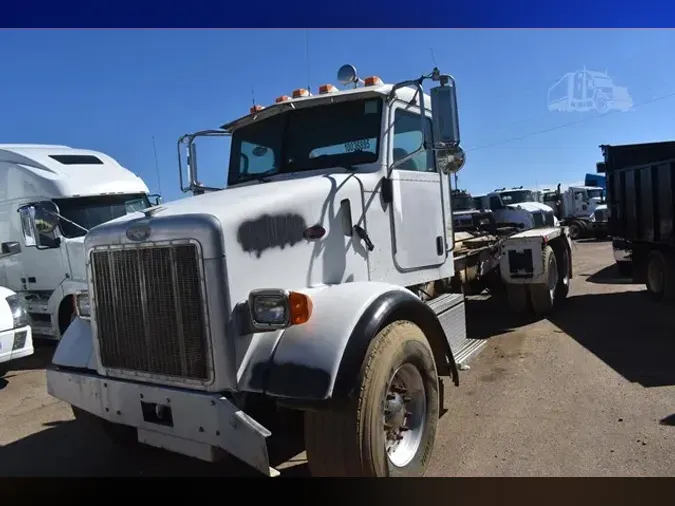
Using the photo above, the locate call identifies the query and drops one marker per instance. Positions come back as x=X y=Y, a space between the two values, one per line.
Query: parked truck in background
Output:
x=49 y=197
x=519 y=207
x=581 y=208
x=641 y=195
x=320 y=280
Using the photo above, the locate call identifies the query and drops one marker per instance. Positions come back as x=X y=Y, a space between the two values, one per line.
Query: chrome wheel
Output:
x=405 y=408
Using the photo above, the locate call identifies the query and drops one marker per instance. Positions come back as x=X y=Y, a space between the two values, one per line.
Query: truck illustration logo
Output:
x=587 y=90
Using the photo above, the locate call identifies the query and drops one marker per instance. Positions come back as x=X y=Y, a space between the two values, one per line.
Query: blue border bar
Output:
x=345 y=14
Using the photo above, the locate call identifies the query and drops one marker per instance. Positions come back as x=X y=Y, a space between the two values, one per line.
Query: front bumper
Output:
x=196 y=424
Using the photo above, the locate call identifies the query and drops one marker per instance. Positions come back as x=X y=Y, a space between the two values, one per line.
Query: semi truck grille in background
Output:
x=600 y=215
x=150 y=312
x=543 y=218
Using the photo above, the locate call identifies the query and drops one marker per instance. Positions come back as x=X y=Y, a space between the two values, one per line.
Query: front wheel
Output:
x=576 y=230
x=389 y=428
x=4 y=369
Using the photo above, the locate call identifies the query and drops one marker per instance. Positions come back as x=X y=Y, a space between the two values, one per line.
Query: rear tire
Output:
x=4 y=369
x=389 y=427
x=660 y=276
x=543 y=296
x=123 y=436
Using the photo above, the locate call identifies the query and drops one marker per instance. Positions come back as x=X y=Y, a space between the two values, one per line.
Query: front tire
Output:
x=576 y=230
x=389 y=428
x=4 y=369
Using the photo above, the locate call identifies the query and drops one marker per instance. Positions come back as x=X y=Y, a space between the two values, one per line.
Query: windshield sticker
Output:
x=259 y=151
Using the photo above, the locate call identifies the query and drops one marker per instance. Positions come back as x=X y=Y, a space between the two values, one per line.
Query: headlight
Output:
x=83 y=305
x=278 y=309
x=19 y=314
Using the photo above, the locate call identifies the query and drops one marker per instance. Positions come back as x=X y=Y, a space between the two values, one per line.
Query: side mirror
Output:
x=39 y=222
x=155 y=199
x=445 y=116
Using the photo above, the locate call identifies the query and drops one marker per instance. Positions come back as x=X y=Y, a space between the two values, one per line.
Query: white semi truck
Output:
x=318 y=281
x=16 y=339
x=49 y=197
x=581 y=208
x=519 y=207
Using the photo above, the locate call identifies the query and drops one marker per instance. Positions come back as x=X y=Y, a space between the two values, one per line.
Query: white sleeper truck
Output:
x=49 y=197
x=317 y=281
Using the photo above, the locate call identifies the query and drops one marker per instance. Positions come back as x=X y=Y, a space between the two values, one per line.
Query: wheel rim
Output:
x=405 y=412
x=574 y=231
x=655 y=276
x=552 y=276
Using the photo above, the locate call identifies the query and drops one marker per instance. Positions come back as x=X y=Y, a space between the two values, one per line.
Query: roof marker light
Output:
x=256 y=108
x=301 y=92
x=327 y=88
x=373 y=81
x=282 y=98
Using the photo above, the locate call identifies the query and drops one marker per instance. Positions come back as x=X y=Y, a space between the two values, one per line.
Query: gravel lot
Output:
x=590 y=392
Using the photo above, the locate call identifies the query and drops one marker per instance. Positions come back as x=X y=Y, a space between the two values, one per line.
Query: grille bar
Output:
x=149 y=311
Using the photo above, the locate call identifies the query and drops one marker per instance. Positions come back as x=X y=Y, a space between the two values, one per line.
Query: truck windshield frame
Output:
x=516 y=197
x=342 y=134
x=92 y=211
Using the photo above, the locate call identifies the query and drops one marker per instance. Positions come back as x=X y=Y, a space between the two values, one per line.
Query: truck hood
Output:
x=530 y=206
x=261 y=231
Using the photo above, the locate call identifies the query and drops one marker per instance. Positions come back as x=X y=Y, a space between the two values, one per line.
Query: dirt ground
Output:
x=588 y=392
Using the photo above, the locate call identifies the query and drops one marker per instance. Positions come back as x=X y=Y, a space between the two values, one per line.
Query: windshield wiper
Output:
x=67 y=220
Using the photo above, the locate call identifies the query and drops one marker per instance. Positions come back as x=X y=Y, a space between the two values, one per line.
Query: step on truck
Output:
x=49 y=197
x=641 y=197
x=318 y=282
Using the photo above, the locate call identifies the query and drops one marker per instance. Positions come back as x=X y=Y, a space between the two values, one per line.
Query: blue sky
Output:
x=114 y=90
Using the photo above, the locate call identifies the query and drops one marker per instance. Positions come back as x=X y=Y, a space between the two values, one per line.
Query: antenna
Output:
x=309 y=86
x=433 y=57
x=159 y=180
x=253 y=95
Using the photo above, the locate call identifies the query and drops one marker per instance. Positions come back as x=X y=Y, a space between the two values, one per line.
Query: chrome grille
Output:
x=149 y=310
x=601 y=215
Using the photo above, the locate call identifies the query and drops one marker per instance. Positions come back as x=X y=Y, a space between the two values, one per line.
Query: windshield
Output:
x=331 y=135
x=89 y=212
x=516 y=197
x=462 y=202
x=595 y=193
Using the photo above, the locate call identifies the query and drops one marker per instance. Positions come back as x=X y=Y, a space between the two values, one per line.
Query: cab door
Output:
x=421 y=215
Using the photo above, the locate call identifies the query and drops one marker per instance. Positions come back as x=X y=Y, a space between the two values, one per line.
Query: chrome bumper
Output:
x=195 y=424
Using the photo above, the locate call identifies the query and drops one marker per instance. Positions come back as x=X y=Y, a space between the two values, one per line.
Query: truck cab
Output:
x=519 y=207
x=50 y=196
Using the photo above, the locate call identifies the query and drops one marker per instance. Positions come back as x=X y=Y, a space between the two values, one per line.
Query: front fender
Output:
x=321 y=359
x=76 y=347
